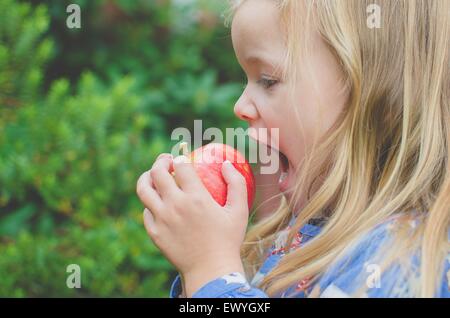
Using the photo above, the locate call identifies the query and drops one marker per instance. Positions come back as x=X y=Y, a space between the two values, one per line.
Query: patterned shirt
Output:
x=342 y=279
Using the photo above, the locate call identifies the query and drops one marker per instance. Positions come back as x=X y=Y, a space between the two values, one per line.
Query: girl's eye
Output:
x=267 y=82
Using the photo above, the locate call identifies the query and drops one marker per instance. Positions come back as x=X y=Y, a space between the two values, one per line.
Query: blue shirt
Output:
x=342 y=279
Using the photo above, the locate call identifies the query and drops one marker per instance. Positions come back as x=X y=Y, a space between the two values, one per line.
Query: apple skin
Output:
x=208 y=160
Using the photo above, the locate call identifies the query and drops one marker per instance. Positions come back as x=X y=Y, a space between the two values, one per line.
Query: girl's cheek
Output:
x=268 y=100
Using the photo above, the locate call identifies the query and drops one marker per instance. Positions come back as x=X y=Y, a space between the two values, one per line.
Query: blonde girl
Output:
x=363 y=111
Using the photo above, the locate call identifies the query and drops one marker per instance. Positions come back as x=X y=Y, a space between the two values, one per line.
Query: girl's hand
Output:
x=198 y=236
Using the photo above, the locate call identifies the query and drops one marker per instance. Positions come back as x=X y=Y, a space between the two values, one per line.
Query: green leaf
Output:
x=13 y=223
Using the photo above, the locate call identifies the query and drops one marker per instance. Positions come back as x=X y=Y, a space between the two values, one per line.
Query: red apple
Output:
x=208 y=160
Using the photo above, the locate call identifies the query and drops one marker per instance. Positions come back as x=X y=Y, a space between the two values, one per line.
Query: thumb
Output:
x=237 y=187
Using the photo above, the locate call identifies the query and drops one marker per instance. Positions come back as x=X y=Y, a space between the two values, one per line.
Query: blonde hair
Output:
x=387 y=152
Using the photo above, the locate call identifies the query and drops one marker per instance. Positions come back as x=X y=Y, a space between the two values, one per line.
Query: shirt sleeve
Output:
x=233 y=285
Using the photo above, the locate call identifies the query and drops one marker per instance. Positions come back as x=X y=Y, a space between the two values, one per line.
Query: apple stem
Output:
x=184 y=149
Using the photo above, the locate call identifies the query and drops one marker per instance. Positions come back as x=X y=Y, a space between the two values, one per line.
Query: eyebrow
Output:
x=257 y=59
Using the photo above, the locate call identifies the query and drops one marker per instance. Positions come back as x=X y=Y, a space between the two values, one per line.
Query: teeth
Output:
x=283 y=176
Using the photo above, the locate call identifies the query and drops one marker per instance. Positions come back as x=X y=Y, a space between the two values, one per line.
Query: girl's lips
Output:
x=283 y=177
x=283 y=181
x=262 y=137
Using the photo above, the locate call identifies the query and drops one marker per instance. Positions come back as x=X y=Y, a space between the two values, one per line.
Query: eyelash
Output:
x=267 y=82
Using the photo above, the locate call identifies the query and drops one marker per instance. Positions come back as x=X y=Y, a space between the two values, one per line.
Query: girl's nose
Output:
x=244 y=109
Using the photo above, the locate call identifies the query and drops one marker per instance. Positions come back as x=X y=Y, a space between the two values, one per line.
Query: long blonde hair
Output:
x=388 y=151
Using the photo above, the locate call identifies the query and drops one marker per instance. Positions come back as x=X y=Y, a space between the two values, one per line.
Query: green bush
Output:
x=23 y=52
x=115 y=257
x=82 y=115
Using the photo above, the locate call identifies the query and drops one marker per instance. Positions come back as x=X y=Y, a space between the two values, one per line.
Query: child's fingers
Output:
x=237 y=187
x=147 y=194
x=162 y=179
x=149 y=224
x=185 y=174
x=167 y=156
x=162 y=155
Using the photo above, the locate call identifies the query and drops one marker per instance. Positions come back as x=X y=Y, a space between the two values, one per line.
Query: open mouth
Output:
x=284 y=170
x=284 y=162
x=283 y=180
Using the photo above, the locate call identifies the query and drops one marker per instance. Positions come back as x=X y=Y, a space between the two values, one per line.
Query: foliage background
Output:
x=83 y=112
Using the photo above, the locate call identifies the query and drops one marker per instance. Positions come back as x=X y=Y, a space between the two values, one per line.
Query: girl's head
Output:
x=299 y=109
x=364 y=122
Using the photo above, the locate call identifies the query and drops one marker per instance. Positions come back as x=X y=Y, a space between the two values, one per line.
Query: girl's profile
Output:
x=364 y=119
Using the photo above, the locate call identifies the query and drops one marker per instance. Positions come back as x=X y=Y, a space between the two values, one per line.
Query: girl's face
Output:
x=258 y=41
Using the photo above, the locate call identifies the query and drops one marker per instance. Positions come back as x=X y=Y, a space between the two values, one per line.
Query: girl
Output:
x=364 y=124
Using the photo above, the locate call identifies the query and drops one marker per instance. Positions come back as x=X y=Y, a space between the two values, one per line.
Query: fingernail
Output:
x=227 y=163
x=168 y=155
x=181 y=159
